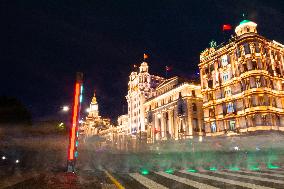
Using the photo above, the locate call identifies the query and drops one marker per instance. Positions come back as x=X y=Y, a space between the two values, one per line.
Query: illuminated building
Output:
x=242 y=84
x=122 y=133
x=122 y=122
x=94 y=122
x=141 y=86
x=175 y=111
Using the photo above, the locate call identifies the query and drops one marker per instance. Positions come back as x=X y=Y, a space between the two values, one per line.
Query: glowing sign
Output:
x=74 y=122
x=73 y=137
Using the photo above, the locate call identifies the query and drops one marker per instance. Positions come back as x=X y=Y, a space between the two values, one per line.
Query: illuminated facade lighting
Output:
x=94 y=123
x=242 y=84
x=175 y=112
x=141 y=86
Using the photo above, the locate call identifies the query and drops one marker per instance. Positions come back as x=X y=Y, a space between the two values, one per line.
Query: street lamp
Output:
x=65 y=108
x=88 y=110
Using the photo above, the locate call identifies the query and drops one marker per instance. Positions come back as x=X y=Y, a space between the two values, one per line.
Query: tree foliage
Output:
x=12 y=111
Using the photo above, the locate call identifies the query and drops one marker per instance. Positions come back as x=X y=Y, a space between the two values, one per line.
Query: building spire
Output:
x=94 y=99
x=243 y=16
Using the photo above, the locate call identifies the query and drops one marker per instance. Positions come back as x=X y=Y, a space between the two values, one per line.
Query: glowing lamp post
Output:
x=73 y=132
x=65 y=108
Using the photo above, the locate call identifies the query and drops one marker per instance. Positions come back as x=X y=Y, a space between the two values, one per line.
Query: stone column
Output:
x=162 y=125
x=170 y=125
x=175 y=125
x=189 y=117
x=155 y=126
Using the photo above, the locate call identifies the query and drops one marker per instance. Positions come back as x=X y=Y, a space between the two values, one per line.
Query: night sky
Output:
x=44 y=43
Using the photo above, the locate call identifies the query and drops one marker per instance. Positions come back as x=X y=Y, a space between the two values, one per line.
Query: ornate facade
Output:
x=242 y=84
x=175 y=112
x=94 y=122
x=141 y=86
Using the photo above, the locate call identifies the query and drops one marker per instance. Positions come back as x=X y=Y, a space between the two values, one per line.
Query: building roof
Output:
x=244 y=21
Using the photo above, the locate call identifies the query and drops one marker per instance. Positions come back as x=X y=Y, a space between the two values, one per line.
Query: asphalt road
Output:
x=264 y=179
x=174 y=179
x=254 y=162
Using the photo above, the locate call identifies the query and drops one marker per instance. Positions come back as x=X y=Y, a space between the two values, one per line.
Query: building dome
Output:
x=246 y=26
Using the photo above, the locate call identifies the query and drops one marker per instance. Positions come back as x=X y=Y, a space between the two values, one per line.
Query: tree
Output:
x=12 y=111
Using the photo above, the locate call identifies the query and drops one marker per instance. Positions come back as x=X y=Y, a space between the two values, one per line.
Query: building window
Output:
x=225 y=77
x=238 y=53
x=259 y=63
x=230 y=107
x=247 y=48
x=194 y=107
x=211 y=112
x=257 y=50
x=213 y=127
x=224 y=60
x=228 y=91
x=210 y=83
x=193 y=93
x=257 y=82
x=232 y=125
x=254 y=64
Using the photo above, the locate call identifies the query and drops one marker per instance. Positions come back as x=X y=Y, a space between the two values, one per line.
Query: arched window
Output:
x=247 y=48
x=213 y=127
x=194 y=107
x=230 y=107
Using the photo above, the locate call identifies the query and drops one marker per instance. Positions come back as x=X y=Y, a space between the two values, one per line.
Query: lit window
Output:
x=228 y=92
x=224 y=60
x=225 y=77
x=232 y=124
x=230 y=107
x=213 y=127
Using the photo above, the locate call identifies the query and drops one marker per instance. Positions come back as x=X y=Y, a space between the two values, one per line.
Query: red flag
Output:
x=227 y=27
x=145 y=56
x=168 y=68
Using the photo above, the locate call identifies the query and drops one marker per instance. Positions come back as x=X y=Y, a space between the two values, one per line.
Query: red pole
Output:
x=73 y=132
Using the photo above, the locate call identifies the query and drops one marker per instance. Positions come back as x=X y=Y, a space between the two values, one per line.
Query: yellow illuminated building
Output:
x=175 y=112
x=141 y=86
x=94 y=122
x=242 y=84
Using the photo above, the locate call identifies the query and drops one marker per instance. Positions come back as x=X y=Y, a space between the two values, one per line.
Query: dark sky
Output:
x=43 y=44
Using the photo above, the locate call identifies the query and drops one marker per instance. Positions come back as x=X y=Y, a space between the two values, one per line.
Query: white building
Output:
x=141 y=86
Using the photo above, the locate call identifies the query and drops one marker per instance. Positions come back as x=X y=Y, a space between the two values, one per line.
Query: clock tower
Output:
x=94 y=109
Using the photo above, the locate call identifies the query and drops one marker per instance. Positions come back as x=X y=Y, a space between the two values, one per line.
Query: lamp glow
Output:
x=65 y=108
